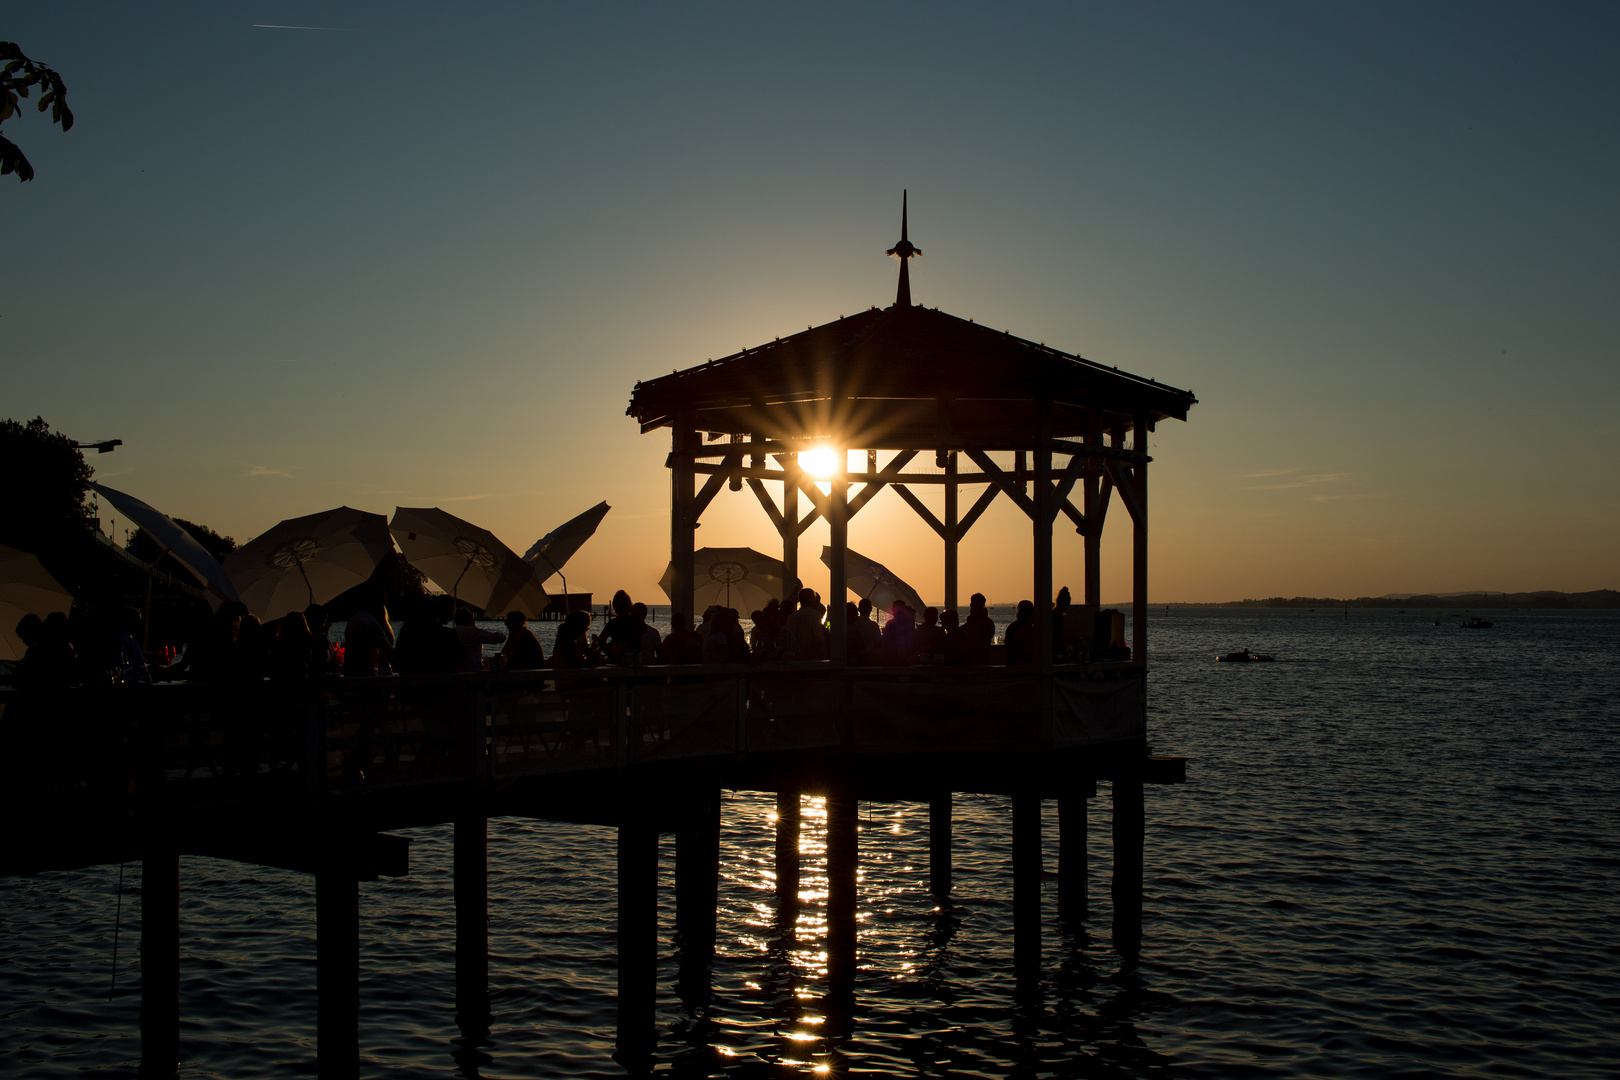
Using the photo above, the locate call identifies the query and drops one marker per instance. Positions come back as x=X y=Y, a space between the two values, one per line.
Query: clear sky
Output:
x=421 y=258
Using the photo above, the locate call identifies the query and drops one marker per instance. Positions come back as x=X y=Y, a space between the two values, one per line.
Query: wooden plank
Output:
x=1005 y=482
x=980 y=505
x=712 y=486
x=877 y=484
x=757 y=486
x=922 y=511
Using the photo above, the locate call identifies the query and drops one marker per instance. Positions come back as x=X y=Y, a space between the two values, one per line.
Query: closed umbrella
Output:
x=308 y=560
x=552 y=550
x=176 y=541
x=26 y=588
x=467 y=562
x=874 y=581
x=740 y=578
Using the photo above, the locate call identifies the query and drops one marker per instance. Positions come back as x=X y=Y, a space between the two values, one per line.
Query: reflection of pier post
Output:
x=1026 y=845
x=337 y=963
x=697 y=895
x=471 y=885
x=939 y=845
x=787 y=856
x=160 y=962
x=1072 y=853
x=843 y=856
x=1129 y=828
x=638 y=938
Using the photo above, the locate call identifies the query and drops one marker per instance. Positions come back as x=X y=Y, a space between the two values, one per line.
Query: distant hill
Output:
x=1597 y=599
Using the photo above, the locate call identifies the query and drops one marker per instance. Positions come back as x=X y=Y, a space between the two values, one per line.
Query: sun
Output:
x=820 y=463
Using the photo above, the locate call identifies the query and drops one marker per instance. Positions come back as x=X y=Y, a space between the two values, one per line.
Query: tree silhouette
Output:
x=17 y=80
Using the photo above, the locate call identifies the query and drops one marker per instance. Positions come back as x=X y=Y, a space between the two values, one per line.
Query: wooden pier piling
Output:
x=638 y=940
x=470 y=874
x=939 y=845
x=1130 y=820
x=1026 y=857
x=1072 y=854
x=337 y=965
x=160 y=962
x=843 y=856
x=788 y=821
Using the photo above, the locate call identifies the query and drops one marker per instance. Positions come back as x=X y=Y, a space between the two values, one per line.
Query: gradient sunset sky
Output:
x=420 y=257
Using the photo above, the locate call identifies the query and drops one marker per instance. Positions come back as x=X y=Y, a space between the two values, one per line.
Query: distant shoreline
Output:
x=1598 y=599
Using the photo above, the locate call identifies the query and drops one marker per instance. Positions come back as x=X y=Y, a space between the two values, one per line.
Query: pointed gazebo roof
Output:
x=902 y=376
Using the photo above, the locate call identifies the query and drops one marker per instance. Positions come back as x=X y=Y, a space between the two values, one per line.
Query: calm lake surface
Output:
x=1397 y=855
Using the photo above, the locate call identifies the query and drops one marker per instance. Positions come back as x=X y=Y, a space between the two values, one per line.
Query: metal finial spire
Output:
x=905 y=250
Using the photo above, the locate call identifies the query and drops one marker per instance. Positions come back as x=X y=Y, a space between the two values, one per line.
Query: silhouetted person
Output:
x=572 y=649
x=251 y=660
x=651 y=643
x=621 y=637
x=979 y=631
x=210 y=654
x=682 y=646
x=931 y=638
x=130 y=657
x=900 y=635
x=368 y=641
x=855 y=641
x=1021 y=635
x=956 y=645
x=291 y=657
x=473 y=638
x=522 y=651
x=1060 y=606
x=871 y=636
x=320 y=640
x=808 y=638
x=426 y=646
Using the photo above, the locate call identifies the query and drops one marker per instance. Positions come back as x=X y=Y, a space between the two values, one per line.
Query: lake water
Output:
x=1397 y=855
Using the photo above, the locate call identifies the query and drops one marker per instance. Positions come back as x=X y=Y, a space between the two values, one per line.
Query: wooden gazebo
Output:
x=902 y=381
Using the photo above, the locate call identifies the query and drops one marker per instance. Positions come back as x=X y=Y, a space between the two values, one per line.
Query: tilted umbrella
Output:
x=26 y=588
x=874 y=581
x=308 y=560
x=467 y=562
x=740 y=578
x=176 y=541
x=552 y=550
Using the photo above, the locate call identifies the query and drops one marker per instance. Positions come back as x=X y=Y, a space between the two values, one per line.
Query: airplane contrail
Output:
x=280 y=26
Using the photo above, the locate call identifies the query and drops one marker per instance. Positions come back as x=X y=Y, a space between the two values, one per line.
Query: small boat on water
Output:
x=1244 y=656
x=1476 y=624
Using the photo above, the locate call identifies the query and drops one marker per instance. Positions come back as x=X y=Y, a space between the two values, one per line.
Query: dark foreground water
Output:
x=1398 y=854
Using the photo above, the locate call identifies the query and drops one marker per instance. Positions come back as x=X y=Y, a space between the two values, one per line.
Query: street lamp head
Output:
x=103 y=447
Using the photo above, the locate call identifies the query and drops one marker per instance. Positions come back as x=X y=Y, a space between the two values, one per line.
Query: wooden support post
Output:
x=1044 y=512
x=843 y=856
x=1129 y=830
x=787 y=855
x=682 y=529
x=790 y=519
x=697 y=873
x=1072 y=854
x=470 y=877
x=939 y=845
x=638 y=939
x=160 y=962
x=1139 y=561
x=1026 y=852
x=1092 y=489
x=952 y=539
x=337 y=964
x=838 y=587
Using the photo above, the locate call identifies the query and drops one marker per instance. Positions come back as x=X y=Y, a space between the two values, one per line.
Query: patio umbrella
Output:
x=740 y=578
x=26 y=588
x=874 y=581
x=176 y=541
x=467 y=562
x=552 y=550
x=308 y=560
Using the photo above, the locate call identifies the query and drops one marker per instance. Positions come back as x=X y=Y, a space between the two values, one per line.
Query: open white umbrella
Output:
x=874 y=581
x=176 y=541
x=740 y=578
x=552 y=550
x=467 y=562
x=308 y=560
x=26 y=588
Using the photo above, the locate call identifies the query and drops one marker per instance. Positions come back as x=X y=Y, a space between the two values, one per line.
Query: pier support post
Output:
x=939 y=845
x=697 y=896
x=1026 y=851
x=843 y=857
x=1072 y=854
x=337 y=966
x=787 y=855
x=638 y=940
x=471 y=884
x=1129 y=835
x=160 y=962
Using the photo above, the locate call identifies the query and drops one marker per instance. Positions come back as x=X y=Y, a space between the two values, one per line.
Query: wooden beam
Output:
x=1073 y=514
x=979 y=507
x=757 y=486
x=922 y=511
x=808 y=487
x=806 y=521
x=709 y=468
x=881 y=480
x=1065 y=483
x=1001 y=479
x=1121 y=476
x=712 y=486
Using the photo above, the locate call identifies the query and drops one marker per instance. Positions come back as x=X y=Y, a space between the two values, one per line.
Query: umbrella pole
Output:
x=146 y=614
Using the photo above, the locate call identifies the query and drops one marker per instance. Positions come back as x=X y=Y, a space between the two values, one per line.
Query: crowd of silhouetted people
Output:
x=232 y=645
